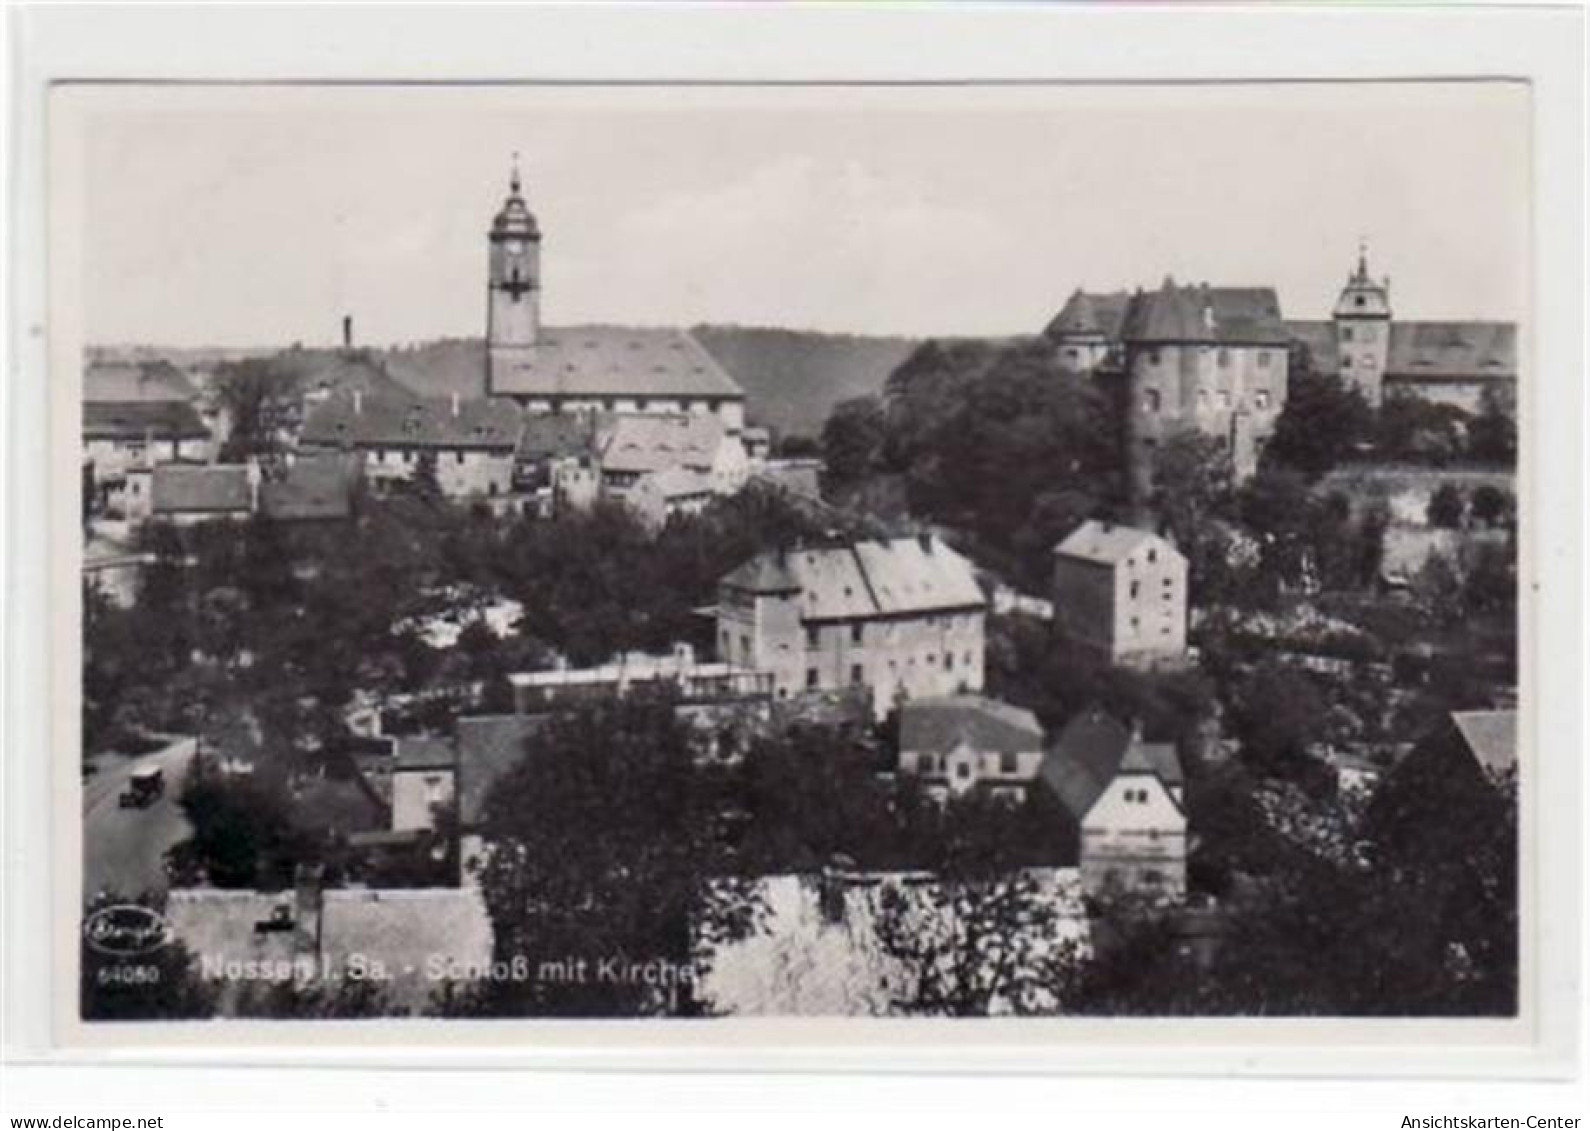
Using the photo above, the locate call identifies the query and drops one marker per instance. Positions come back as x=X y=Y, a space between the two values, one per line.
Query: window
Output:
x=458 y=457
x=1007 y=762
x=1225 y=357
x=1150 y=400
x=1071 y=353
x=1134 y=589
x=949 y=661
x=1153 y=356
x=1262 y=398
x=1358 y=300
x=745 y=646
x=811 y=679
x=855 y=634
x=1153 y=554
x=811 y=636
x=857 y=676
x=640 y=404
x=1347 y=333
x=963 y=770
x=1264 y=359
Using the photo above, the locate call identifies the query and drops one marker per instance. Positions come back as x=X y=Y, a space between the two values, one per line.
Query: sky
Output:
x=259 y=216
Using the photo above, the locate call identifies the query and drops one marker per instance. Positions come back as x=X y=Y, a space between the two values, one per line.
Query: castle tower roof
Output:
x=514 y=219
x=1363 y=296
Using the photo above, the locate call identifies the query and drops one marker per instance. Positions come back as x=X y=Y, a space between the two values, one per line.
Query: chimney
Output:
x=308 y=901
x=347 y=331
x=358 y=401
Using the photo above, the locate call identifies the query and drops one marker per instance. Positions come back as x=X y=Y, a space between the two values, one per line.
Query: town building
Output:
x=1126 y=798
x=136 y=415
x=423 y=780
x=1458 y=776
x=659 y=496
x=957 y=744
x=678 y=675
x=313 y=488
x=901 y=618
x=632 y=445
x=1121 y=593
x=585 y=368
x=1461 y=363
x=470 y=444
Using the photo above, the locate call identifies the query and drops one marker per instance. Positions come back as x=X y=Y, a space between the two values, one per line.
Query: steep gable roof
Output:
x=865 y=578
x=1088 y=315
x=939 y=724
x=611 y=362
x=1181 y=314
x=1092 y=750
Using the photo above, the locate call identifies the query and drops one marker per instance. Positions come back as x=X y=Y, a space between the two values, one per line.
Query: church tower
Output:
x=1363 y=330
x=513 y=286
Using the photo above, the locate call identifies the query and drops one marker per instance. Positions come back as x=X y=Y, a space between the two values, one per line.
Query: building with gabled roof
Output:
x=902 y=618
x=1121 y=593
x=313 y=488
x=471 y=443
x=955 y=744
x=631 y=445
x=585 y=368
x=1453 y=362
x=1126 y=796
x=1087 y=330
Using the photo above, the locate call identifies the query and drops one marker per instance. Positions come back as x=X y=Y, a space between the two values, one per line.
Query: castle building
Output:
x=1457 y=363
x=585 y=368
x=1121 y=593
x=902 y=619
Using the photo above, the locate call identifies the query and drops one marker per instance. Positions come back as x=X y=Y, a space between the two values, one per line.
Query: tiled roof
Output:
x=339 y=372
x=636 y=443
x=938 y=725
x=1090 y=315
x=1491 y=736
x=1092 y=750
x=138 y=420
x=1106 y=543
x=1175 y=314
x=414 y=422
x=866 y=579
x=200 y=489
x=489 y=747
x=142 y=382
x=607 y=361
x=314 y=487
x=1463 y=351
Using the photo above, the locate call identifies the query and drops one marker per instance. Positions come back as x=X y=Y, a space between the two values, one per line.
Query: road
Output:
x=124 y=849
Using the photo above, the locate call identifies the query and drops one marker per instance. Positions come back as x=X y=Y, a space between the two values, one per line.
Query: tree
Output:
x=607 y=859
x=1492 y=506
x=1493 y=434
x=852 y=440
x=258 y=399
x=1446 y=507
x=1412 y=429
x=1322 y=423
x=1276 y=713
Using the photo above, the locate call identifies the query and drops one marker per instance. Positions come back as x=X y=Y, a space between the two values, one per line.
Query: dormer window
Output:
x=1264 y=359
x=1358 y=300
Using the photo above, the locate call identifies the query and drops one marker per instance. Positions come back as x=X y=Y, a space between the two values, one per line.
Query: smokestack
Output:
x=347 y=331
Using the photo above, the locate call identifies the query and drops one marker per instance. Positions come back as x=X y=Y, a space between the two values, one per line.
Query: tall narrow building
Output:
x=1363 y=330
x=513 y=286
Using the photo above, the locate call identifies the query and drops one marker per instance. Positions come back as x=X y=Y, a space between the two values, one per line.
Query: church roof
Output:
x=1179 y=314
x=1090 y=315
x=611 y=362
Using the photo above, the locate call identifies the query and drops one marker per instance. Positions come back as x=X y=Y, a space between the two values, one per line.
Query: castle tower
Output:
x=513 y=285
x=1363 y=330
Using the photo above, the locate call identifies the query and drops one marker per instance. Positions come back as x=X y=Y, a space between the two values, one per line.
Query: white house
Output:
x=959 y=743
x=1121 y=592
